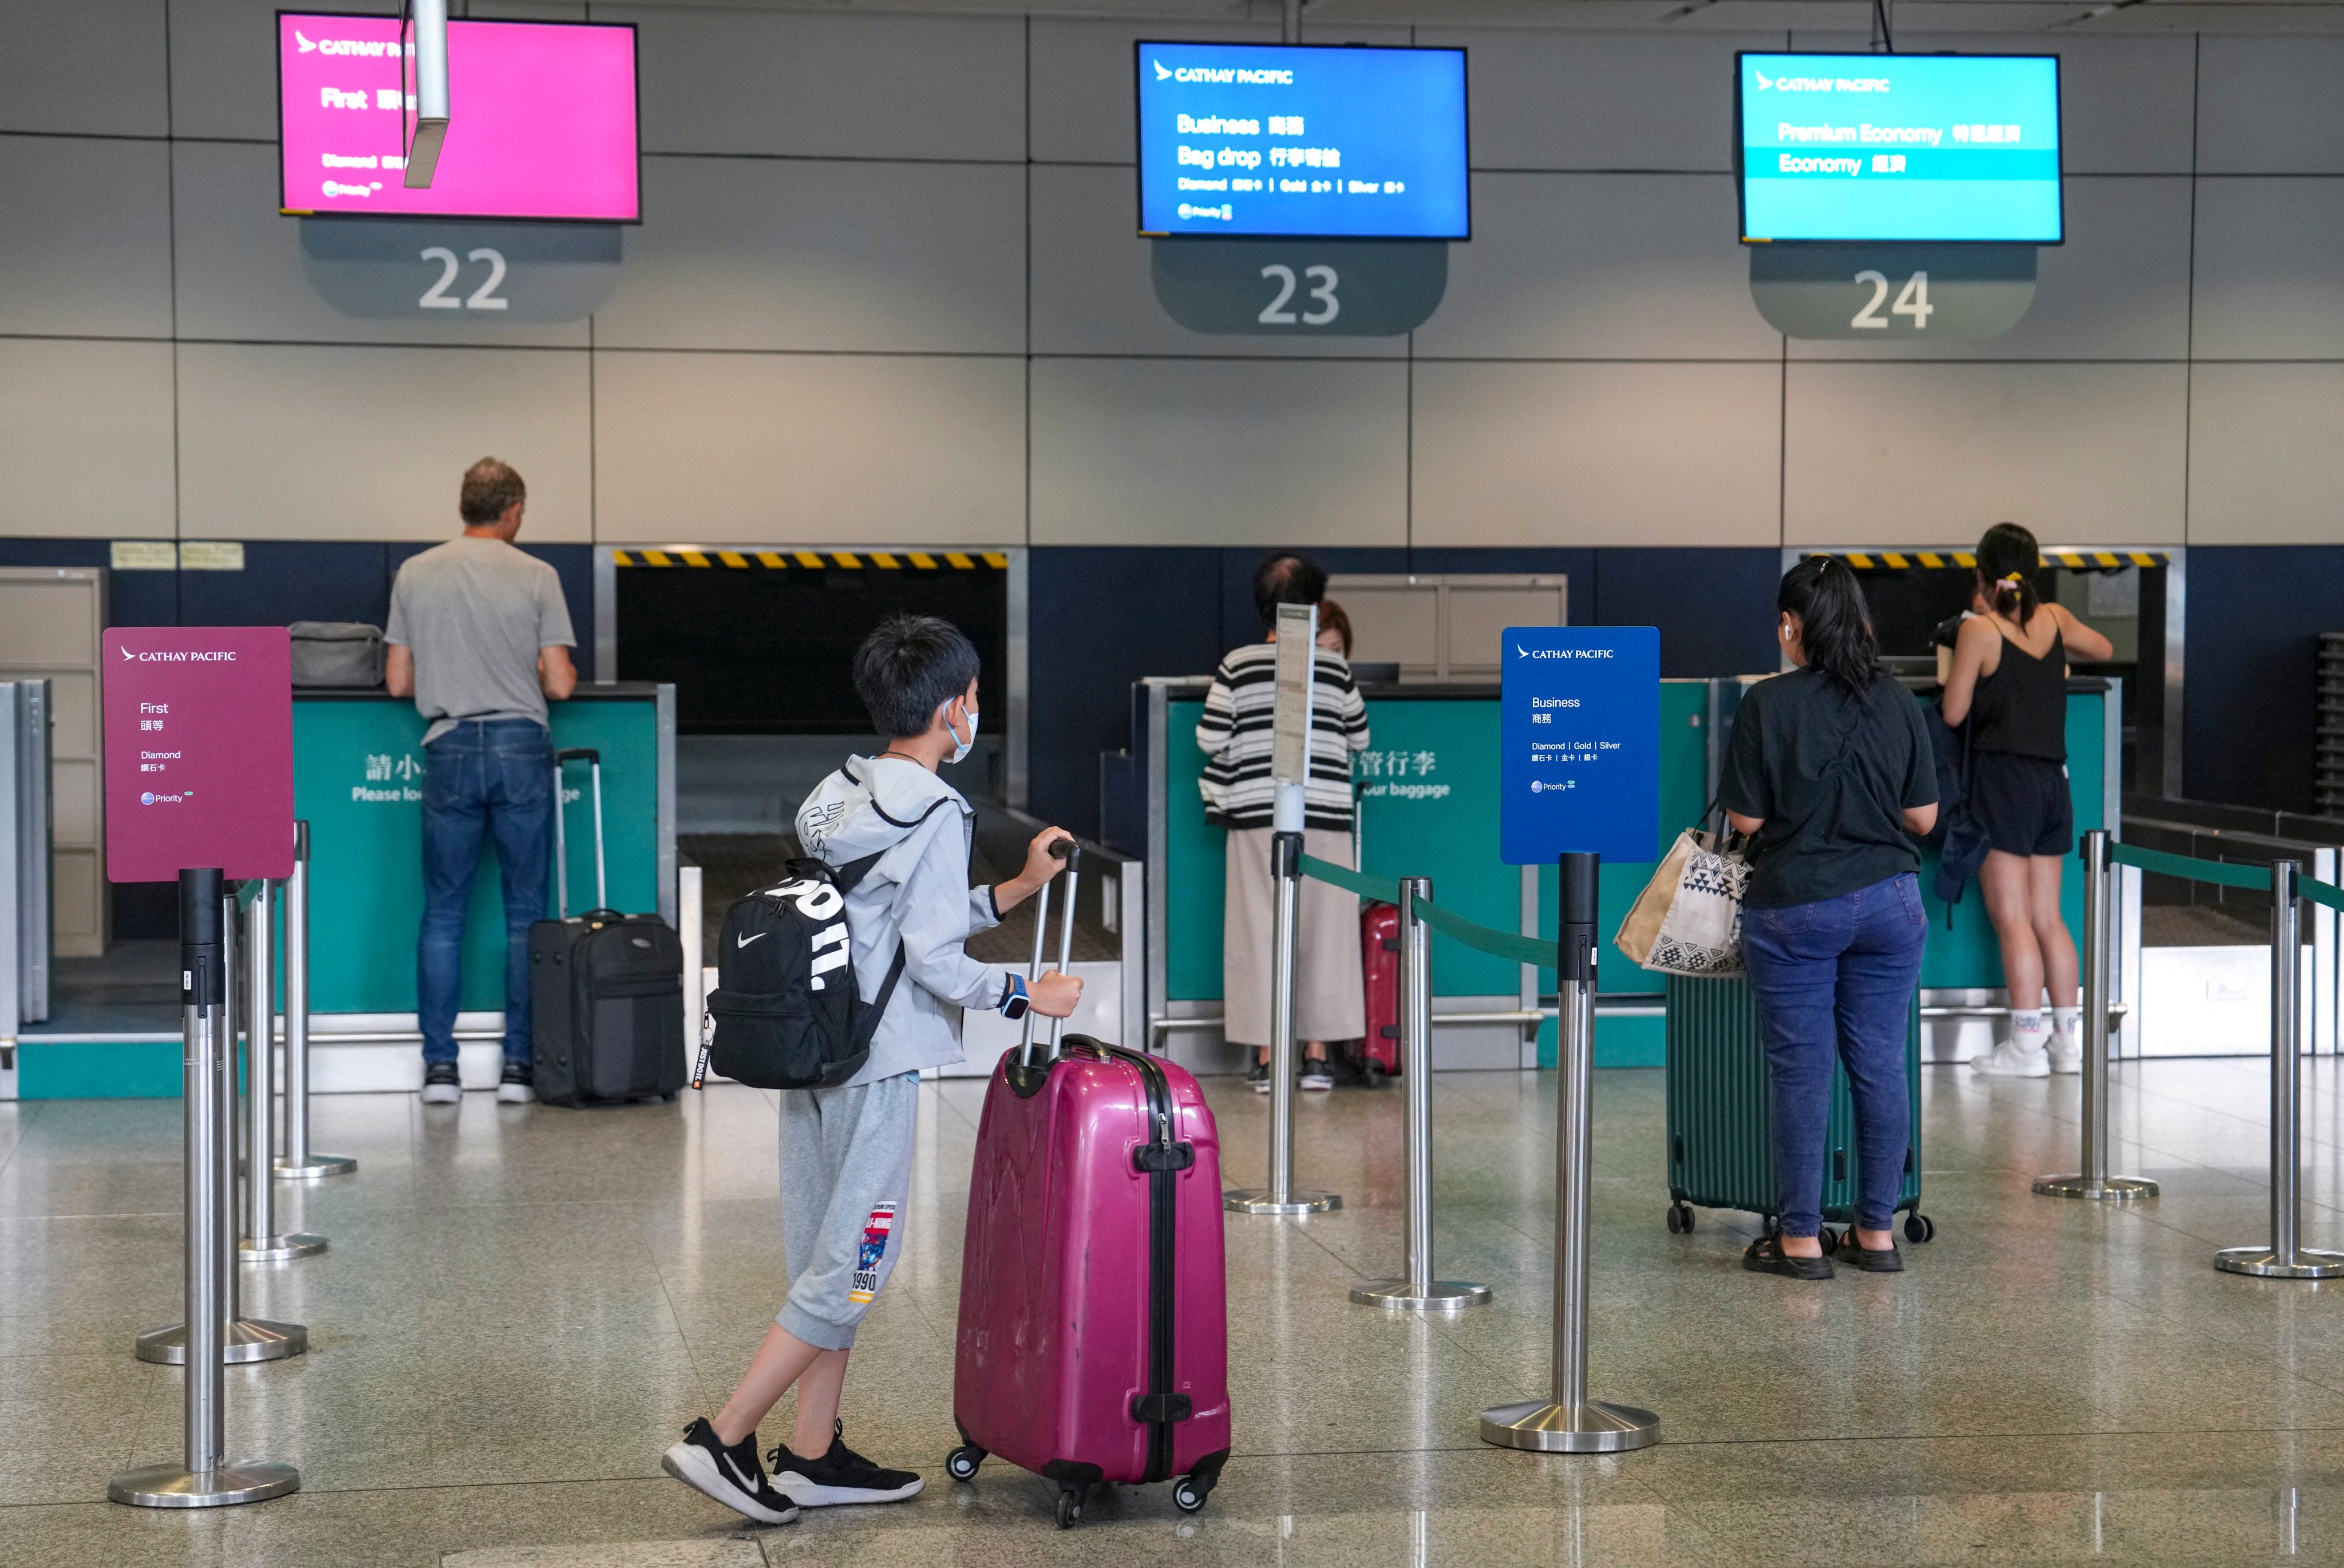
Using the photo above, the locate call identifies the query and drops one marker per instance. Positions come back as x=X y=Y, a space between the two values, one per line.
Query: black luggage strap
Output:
x=1154 y=1407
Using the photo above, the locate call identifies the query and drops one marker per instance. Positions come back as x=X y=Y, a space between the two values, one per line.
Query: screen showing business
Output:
x=1900 y=147
x=541 y=120
x=1267 y=139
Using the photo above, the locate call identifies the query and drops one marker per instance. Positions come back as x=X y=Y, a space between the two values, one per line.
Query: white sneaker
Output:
x=2011 y=1059
x=2065 y=1053
x=440 y=1086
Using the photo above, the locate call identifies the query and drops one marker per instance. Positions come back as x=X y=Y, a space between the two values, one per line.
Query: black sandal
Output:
x=1765 y=1256
x=1856 y=1255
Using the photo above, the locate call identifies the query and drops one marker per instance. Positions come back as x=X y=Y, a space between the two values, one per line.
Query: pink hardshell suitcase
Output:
x=1093 y=1331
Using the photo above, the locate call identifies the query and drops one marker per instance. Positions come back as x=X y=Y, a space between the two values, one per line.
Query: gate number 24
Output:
x=1912 y=300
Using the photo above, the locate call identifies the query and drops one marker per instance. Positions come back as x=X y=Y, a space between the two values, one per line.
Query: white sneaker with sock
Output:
x=2023 y=1055
x=2066 y=1048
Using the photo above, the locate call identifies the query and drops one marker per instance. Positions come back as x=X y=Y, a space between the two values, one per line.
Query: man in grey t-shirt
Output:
x=480 y=636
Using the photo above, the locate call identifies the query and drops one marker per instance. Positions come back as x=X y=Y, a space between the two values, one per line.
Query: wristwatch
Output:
x=1013 y=999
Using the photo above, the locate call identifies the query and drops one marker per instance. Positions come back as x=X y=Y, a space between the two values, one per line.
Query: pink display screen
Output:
x=541 y=120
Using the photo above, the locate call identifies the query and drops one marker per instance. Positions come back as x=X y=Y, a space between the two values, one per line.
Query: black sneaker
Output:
x=1258 y=1076
x=440 y=1084
x=1765 y=1256
x=731 y=1475
x=1317 y=1074
x=518 y=1087
x=841 y=1475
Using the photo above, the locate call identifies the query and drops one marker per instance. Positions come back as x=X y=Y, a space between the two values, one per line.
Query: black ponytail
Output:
x=1835 y=628
x=2008 y=559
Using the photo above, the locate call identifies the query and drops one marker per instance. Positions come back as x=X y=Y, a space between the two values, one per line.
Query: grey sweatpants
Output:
x=846 y=1160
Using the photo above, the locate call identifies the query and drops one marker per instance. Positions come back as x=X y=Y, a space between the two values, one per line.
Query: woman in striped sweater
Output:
x=1330 y=1002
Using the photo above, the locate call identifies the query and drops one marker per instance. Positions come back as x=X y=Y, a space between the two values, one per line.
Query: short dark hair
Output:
x=909 y=666
x=1286 y=579
x=490 y=489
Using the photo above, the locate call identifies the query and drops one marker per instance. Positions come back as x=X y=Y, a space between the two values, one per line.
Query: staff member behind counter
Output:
x=480 y=636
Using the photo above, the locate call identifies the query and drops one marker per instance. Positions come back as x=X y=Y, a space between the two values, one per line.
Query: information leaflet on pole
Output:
x=198 y=751
x=1580 y=743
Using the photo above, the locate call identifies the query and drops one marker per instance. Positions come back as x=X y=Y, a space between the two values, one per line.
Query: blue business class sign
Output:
x=1580 y=765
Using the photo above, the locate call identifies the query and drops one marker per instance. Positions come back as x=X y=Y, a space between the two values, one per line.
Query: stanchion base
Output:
x=1296 y=1202
x=2108 y=1189
x=168 y=1486
x=2308 y=1264
x=1595 y=1427
x=316 y=1168
x=1439 y=1296
x=249 y=1340
x=278 y=1248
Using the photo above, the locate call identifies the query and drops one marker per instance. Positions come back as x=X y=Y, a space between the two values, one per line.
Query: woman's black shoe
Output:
x=1856 y=1255
x=1765 y=1256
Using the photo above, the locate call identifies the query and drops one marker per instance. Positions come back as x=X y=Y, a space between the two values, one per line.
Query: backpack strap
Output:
x=878 y=1008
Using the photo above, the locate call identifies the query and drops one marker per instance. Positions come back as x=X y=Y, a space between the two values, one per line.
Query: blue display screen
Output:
x=1900 y=147
x=1288 y=139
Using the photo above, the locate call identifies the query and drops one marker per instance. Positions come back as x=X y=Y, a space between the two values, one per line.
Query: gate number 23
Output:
x=484 y=297
x=1322 y=280
x=1913 y=301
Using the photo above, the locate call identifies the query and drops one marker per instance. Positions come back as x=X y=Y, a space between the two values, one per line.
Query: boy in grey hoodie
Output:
x=846 y=1153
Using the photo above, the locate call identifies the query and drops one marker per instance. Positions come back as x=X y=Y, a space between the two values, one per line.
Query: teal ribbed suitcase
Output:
x=1721 y=1143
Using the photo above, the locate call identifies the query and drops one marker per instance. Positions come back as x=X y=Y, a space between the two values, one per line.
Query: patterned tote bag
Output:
x=1688 y=919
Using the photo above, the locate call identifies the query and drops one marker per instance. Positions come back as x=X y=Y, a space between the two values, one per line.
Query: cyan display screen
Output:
x=1900 y=147
x=1292 y=139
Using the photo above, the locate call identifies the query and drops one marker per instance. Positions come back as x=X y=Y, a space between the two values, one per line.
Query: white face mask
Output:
x=960 y=747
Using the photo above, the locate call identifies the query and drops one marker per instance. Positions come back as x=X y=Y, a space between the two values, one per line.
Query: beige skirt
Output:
x=1330 y=991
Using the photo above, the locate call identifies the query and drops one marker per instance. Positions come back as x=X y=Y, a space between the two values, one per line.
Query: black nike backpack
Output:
x=786 y=1012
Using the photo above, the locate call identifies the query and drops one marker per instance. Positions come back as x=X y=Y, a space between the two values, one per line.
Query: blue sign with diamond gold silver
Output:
x=1578 y=767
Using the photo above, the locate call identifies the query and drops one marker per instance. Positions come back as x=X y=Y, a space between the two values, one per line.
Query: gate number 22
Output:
x=1322 y=281
x=484 y=297
x=1913 y=301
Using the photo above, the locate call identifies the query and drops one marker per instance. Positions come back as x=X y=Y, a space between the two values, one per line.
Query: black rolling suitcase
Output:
x=606 y=989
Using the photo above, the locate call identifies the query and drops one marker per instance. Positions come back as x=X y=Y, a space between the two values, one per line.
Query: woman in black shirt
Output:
x=1830 y=772
x=2009 y=681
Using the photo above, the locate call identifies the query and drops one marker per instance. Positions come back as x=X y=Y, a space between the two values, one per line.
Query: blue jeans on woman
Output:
x=487 y=777
x=1834 y=979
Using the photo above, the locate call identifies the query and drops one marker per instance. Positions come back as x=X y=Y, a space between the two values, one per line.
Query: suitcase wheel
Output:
x=1373 y=1072
x=1070 y=1508
x=961 y=1462
x=1186 y=1495
x=1679 y=1219
x=1919 y=1226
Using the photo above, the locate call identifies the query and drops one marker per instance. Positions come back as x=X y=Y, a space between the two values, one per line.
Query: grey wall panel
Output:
x=1092 y=291
x=85 y=439
x=1935 y=454
x=1602 y=267
x=1566 y=100
x=740 y=253
x=809 y=448
x=83 y=67
x=1605 y=454
x=807 y=83
x=240 y=277
x=285 y=442
x=1219 y=452
x=2270 y=269
x=2266 y=454
x=86 y=244
x=2270 y=106
x=224 y=66
x=2118 y=289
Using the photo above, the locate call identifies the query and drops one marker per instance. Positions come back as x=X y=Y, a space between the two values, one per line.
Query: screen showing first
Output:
x=1264 y=139
x=1901 y=147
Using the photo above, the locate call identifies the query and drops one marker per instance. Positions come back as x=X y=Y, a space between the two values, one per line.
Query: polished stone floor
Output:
x=520 y=1307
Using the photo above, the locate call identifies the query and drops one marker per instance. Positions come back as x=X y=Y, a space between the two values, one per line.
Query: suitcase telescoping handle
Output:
x=586 y=754
x=1066 y=849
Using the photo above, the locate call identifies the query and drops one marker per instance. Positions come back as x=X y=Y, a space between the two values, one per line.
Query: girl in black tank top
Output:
x=2022 y=708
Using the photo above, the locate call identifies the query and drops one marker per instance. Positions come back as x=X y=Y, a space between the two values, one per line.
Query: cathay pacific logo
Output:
x=1161 y=73
x=1760 y=76
x=1539 y=652
x=371 y=48
x=306 y=46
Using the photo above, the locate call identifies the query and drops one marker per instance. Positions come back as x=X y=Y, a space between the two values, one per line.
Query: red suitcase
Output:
x=1093 y=1344
x=1380 y=958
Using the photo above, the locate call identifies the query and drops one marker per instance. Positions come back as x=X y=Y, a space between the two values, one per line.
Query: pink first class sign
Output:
x=541 y=120
x=198 y=751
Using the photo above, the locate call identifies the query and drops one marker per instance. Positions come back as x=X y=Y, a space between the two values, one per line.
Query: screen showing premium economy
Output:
x=1302 y=140
x=1900 y=147
x=541 y=120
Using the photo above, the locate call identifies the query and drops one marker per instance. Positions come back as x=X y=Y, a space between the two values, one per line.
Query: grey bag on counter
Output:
x=344 y=653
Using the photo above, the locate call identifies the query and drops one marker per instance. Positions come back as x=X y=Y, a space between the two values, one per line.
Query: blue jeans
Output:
x=484 y=777
x=1835 y=977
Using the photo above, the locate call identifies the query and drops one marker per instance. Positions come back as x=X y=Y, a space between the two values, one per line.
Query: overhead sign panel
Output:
x=1933 y=147
x=1302 y=140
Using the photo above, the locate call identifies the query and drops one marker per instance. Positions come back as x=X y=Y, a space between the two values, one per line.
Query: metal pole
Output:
x=297 y=1163
x=2284 y=1258
x=1281 y=1197
x=1569 y=1422
x=204 y=1479
x=262 y=1242
x=2092 y=1181
x=1419 y=1290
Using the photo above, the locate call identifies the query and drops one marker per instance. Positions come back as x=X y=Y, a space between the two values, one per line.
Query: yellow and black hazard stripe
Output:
x=819 y=561
x=2074 y=560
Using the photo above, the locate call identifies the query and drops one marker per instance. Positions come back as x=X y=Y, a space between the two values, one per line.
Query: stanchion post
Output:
x=2092 y=1182
x=1282 y=1196
x=2285 y=1258
x=1569 y=1422
x=206 y=1478
x=298 y=1163
x=262 y=1242
x=1419 y=1292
